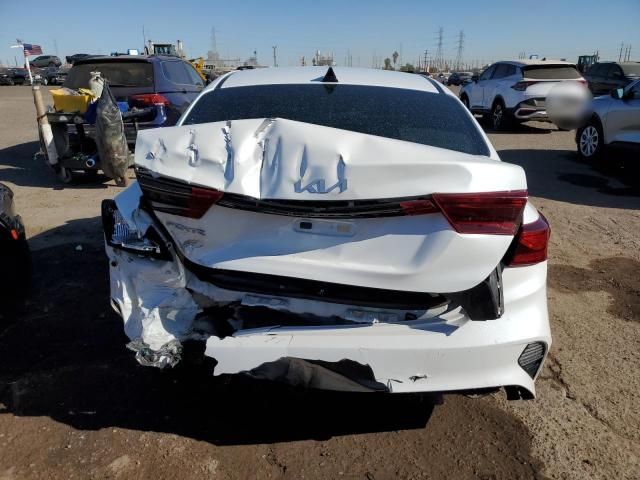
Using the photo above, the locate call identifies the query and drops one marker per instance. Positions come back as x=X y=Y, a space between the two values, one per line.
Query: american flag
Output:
x=30 y=49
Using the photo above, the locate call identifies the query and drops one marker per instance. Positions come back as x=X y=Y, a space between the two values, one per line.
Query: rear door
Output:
x=502 y=75
x=623 y=118
x=477 y=91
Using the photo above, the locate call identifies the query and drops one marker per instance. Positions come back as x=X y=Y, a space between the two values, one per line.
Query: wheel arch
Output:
x=595 y=118
x=498 y=99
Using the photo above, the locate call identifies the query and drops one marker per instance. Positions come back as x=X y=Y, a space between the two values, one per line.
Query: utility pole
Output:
x=426 y=66
x=621 y=47
x=275 y=62
x=439 y=49
x=460 y=49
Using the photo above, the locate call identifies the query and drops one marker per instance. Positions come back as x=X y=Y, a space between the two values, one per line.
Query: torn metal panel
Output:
x=345 y=375
x=208 y=295
x=128 y=203
x=265 y=158
x=404 y=358
x=152 y=298
x=168 y=355
x=279 y=160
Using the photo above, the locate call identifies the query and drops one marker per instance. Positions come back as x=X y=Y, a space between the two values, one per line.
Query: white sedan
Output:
x=343 y=229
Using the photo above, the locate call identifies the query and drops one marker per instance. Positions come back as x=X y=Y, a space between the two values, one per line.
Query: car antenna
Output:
x=330 y=76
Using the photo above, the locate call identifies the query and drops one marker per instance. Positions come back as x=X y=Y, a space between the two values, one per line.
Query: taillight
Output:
x=120 y=235
x=418 y=207
x=493 y=213
x=148 y=99
x=201 y=200
x=531 y=243
x=522 y=85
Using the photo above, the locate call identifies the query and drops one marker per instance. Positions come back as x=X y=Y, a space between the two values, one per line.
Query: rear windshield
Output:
x=119 y=74
x=411 y=115
x=551 y=72
x=633 y=69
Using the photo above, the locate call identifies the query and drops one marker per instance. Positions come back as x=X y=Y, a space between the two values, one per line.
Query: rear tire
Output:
x=65 y=175
x=590 y=140
x=465 y=101
x=499 y=116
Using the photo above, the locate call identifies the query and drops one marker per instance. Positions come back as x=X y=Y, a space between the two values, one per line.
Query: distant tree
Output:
x=408 y=68
x=387 y=64
x=395 y=59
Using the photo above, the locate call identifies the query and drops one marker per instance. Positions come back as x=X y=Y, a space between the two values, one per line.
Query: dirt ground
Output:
x=74 y=404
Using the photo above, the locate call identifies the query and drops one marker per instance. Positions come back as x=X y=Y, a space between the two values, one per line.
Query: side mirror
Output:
x=617 y=93
x=474 y=78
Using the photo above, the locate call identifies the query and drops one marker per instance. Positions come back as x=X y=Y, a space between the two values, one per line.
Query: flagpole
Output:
x=44 y=127
x=26 y=64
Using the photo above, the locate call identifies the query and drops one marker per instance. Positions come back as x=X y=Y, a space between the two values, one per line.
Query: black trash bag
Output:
x=113 y=151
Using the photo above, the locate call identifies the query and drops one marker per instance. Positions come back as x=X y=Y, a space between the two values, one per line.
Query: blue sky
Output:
x=493 y=29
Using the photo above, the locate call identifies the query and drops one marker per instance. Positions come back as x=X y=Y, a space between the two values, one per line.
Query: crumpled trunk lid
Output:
x=294 y=164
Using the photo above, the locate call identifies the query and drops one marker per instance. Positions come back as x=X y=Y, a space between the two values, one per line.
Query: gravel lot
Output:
x=74 y=404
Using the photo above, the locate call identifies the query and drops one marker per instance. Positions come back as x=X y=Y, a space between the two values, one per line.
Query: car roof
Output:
x=345 y=75
x=124 y=58
x=616 y=62
x=524 y=63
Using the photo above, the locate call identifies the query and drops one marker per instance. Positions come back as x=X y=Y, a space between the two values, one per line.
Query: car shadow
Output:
x=66 y=358
x=516 y=127
x=559 y=175
x=20 y=166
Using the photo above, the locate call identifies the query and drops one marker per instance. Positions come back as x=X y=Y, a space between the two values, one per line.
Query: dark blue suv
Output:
x=151 y=91
x=166 y=84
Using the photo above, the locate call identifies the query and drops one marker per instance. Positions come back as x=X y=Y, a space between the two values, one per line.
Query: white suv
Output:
x=346 y=229
x=516 y=90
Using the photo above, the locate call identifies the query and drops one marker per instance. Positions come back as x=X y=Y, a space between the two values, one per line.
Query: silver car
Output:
x=615 y=121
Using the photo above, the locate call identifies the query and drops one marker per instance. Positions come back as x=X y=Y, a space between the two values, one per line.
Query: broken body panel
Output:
x=380 y=289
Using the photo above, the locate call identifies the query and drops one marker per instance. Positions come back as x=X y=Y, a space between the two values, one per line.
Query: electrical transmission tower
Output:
x=460 y=50
x=275 y=60
x=439 y=60
x=214 y=42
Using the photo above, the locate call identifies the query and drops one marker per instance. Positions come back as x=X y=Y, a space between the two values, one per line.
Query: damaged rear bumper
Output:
x=445 y=352
x=430 y=356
